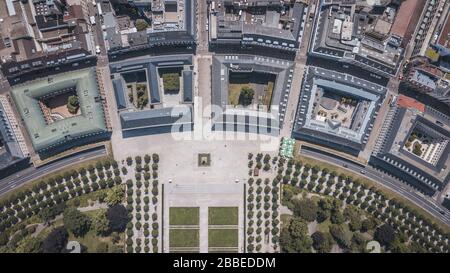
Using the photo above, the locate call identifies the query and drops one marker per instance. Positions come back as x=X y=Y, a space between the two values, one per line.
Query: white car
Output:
x=97 y=49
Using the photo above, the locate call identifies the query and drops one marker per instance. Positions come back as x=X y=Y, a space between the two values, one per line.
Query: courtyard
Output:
x=343 y=109
x=261 y=84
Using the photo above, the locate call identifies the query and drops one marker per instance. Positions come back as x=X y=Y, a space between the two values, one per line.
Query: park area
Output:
x=251 y=89
x=222 y=216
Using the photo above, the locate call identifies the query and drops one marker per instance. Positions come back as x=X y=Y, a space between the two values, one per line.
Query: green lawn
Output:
x=223 y=216
x=268 y=95
x=184 y=216
x=171 y=82
x=234 y=91
x=223 y=238
x=183 y=238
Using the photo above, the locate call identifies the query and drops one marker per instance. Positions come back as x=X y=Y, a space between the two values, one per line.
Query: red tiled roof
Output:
x=407 y=17
x=444 y=37
x=407 y=102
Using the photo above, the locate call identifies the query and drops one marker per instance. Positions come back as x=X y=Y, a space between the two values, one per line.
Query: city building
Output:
x=337 y=110
x=366 y=35
x=154 y=94
x=14 y=154
x=429 y=79
x=160 y=23
x=250 y=24
x=414 y=145
x=263 y=111
x=39 y=36
x=55 y=123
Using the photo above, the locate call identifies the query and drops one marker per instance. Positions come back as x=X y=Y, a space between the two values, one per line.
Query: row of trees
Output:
x=262 y=210
x=47 y=198
x=400 y=217
x=142 y=200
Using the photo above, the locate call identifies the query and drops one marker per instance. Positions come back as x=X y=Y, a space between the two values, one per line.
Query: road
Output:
x=294 y=95
x=387 y=181
x=19 y=179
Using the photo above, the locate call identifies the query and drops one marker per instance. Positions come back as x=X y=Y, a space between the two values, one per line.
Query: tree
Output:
x=115 y=196
x=141 y=25
x=76 y=222
x=337 y=217
x=118 y=218
x=367 y=224
x=49 y=213
x=246 y=96
x=306 y=209
x=4 y=238
x=322 y=242
x=342 y=237
x=385 y=235
x=73 y=104
x=294 y=238
x=100 y=223
x=55 y=241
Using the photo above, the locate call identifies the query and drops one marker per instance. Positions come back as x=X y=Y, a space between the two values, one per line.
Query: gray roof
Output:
x=156 y=118
x=222 y=65
x=12 y=152
x=119 y=91
x=391 y=156
x=323 y=133
x=132 y=119
x=187 y=86
x=151 y=65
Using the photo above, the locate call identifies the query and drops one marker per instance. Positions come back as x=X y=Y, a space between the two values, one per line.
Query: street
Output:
x=18 y=179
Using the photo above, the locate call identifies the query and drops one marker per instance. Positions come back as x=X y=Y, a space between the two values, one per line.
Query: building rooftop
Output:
x=410 y=123
x=272 y=24
x=169 y=23
x=351 y=33
x=160 y=113
x=28 y=97
x=337 y=110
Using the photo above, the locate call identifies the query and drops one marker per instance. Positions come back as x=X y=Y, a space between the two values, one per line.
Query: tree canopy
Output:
x=118 y=218
x=246 y=96
x=56 y=240
x=295 y=238
x=385 y=235
x=100 y=223
x=76 y=222
x=306 y=209
x=115 y=196
x=73 y=104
